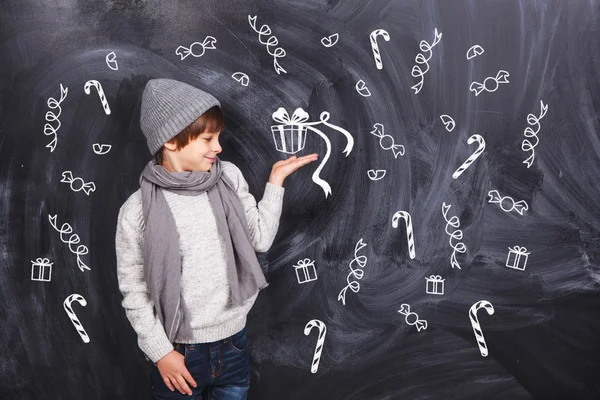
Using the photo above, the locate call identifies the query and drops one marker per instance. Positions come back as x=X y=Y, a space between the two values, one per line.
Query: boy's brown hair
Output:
x=211 y=121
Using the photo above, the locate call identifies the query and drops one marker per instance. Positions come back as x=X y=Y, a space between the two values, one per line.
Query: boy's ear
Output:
x=170 y=145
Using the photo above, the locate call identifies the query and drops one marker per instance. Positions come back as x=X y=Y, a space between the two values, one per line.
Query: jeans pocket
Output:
x=239 y=341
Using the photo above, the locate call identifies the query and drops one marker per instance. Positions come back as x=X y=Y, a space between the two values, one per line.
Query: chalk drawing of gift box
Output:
x=435 y=285
x=290 y=137
x=41 y=270
x=517 y=258
x=305 y=271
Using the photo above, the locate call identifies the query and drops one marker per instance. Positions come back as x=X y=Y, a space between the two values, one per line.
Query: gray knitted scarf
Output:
x=162 y=258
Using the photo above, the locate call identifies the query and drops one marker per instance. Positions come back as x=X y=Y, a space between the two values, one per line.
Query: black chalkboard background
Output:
x=544 y=336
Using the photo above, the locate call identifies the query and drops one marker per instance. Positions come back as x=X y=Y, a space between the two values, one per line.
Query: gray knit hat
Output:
x=168 y=107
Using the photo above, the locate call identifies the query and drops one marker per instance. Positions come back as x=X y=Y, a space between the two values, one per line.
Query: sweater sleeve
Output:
x=263 y=218
x=137 y=302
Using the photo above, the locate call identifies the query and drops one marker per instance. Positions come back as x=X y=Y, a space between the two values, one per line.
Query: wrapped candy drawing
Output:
x=41 y=269
x=290 y=137
x=435 y=285
x=305 y=271
x=517 y=258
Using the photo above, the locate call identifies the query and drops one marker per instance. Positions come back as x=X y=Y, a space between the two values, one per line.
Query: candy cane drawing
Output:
x=530 y=133
x=375 y=47
x=320 y=341
x=475 y=323
x=100 y=91
x=67 y=305
x=453 y=222
x=51 y=117
x=265 y=30
x=480 y=148
x=409 y=230
x=290 y=136
x=425 y=47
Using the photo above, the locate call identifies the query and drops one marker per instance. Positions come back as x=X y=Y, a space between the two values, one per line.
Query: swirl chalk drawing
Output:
x=272 y=41
x=453 y=222
x=65 y=229
x=421 y=59
x=354 y=273
x=528 y=145
x=49 y=129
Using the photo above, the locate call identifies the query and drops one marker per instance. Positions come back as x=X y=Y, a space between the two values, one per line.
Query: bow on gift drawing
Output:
x=299 y=119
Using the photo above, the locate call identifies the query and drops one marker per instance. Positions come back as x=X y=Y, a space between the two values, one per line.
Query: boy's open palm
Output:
x=281 y=169
x=174 y=372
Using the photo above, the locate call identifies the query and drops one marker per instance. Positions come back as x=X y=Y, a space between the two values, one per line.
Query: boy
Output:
x=186 y=243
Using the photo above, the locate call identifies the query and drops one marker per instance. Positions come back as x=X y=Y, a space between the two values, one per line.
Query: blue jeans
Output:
x=221 y=369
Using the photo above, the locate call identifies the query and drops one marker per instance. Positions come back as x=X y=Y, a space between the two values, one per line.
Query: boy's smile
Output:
x=198 y=155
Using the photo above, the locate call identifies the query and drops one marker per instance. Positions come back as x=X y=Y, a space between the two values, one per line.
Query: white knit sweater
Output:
x=204 y=283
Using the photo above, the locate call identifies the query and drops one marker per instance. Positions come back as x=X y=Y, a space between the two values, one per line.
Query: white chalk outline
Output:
x=477 y=327
x=42 y=263
x=530 y=133
x=518 y=251
x=87 y=187
x=425 y=47
x=101 y=149
x=320 y=341
x=362 y=89
x=265 y=30
x=375 y=46
x=241 y=78
x=448 y=122
x=474 y=51
x=304 y=264
x=420 y=323
x=518 y=206
x=501 y=77
x=73 y=317
x=51 y=117
x=111 y=61
x=207 y=44
x=480 y=148
x=331 y=40
x=73 y=239
x=453 y=222
x=409 y=230
x=435 y=279
x=101 y=95
x=378 y=131
x=357 y=273
x=299 y=121
x=376 y=175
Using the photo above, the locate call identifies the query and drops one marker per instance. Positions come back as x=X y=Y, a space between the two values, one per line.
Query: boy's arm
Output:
x=263 y=218
x=139 y=307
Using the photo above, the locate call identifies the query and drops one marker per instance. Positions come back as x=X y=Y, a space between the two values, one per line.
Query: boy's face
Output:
x=198 y=155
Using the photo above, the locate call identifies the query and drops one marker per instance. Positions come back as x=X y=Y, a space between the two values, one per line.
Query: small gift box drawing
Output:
x=517 y=258
x=435 y=285
x=305 y=271
x=41 y=270
x=290 y=135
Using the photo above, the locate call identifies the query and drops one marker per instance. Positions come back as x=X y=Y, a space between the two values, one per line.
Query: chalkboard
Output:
x=448 y=247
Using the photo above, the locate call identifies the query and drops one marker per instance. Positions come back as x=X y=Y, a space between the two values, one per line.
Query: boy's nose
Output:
x=217 y=148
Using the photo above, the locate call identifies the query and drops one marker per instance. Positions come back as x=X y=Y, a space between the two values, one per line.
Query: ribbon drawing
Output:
x=73 y=239
x=420 y=323
x=453 y=222
x=265 y=30
x=356 y=273
x=533 y=120
x=417 y=71
x=298 y=124
x=51 y=117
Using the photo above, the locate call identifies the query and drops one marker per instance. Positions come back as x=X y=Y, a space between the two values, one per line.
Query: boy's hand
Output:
x=281 y=169
x=174 y=373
